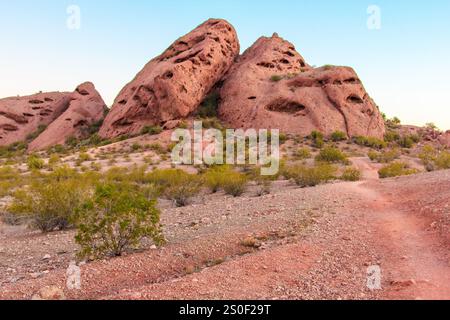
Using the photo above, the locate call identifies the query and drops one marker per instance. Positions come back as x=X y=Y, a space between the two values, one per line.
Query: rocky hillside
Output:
x=269 y=86
x=48 y=119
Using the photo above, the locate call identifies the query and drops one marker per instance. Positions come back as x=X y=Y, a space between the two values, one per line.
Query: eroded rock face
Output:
x=172 y=85
x=271 y=86
x=64 y=114
x=22 y=116
x=444 y=139
x=85 y=108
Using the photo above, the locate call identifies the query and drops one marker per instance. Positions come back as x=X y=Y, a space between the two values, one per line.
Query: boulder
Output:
x=172 y=85
x=271 y=86
x=86 y=108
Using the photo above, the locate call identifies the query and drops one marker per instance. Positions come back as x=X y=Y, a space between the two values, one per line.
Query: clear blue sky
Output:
x=405 y=66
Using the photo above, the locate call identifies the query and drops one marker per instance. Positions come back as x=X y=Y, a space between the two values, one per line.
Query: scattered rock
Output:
x=51 y=293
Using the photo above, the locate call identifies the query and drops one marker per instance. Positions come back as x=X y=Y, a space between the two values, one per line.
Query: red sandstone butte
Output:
x=271 y=86
x=86 y=108
x=172 y=85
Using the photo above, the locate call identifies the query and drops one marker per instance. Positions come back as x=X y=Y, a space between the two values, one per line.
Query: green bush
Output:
x=276 y=78
x=443 y=160
x=116 y=219
x=331 y=155
x=406 y=142
x=351 y=174
x=384 y=156
x=49 y=204
x=302 y=154
x=34 y=162
x=396 y=169
x=310 y=176
x=209 y=106
x=176 y=185
x=151 y=130
x=317 y=139
x=391 y=136
x=235 y=183
x=338 y=136
x=214 y=177
x=370 y=142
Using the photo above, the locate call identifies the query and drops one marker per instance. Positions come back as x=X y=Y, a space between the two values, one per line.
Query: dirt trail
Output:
x=413 y=255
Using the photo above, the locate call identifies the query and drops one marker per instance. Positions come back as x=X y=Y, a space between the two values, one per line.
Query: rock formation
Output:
x=271 y=86
x=62 y=114
x=172 y=85
x=86 y=108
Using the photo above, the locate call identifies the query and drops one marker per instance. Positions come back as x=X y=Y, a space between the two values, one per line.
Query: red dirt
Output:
x=314 y=243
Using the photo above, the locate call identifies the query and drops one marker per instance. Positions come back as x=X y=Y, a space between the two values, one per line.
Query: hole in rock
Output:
x=286 y=106
x=355 y=99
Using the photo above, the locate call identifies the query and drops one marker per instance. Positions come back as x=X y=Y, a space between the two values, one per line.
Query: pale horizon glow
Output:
x=404 y=66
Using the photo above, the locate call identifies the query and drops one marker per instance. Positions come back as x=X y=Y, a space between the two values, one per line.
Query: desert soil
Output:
x=313 y=243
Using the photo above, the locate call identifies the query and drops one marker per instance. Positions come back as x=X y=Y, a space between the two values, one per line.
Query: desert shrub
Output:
x=41 y=128
x=208 y=108
x=396 y=169
x=384 y=156
x=391 y=136
x=351 y=174
x=49 y=204
x=310 y=176
x=157 y=148
x=34 y=162
x=443 y=160
x=176 y=185
x=83 y=157
x=214 y=177
x=317 y=139
x=302 y=154
x=235 y=184
x=406 y=142
x=276 y=78
x=136 y=147
x=370 y=142
x=212 y=123
x=116 y=219
x=54 y=159
x=338 y=136
x=331 y=155
x=10 y=179
x=151 y=130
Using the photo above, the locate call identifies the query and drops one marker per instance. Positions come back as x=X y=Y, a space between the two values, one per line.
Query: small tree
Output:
x=117 y=218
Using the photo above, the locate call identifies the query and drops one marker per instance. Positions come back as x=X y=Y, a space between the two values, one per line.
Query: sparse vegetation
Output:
x=384 y=156
x=302 y=154
x=310 y=176
x=351 y=174
x=370 y=142
x=151 y=130
x=396 y=169
x=331 y=155
x=338 y=136
x=116 y=219
x=34 y=162
x=317 y=139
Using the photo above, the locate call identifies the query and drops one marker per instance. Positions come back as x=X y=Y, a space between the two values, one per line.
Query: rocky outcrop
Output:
x=58 y=115
x=172 y=85
x=21 y=117
x=86 y=108
x=271 y=86
x=444 y=139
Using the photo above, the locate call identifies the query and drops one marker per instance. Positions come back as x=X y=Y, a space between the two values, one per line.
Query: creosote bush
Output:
x=396 y=169
x=49 y=204
x=317 y=139
x=116 y=219
x=443 y=160
x=302 y=154
x=338 y=136
x=151 y=130
x=34 y=162
x=176 y=185
x=310 y=176
x=235 y=184
x=351 y=174
x=370 y=142
x=331 y=155
x=384 y=156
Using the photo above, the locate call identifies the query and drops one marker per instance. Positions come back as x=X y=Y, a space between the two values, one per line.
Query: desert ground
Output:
x=294 y=243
